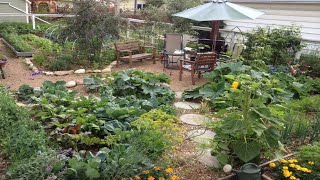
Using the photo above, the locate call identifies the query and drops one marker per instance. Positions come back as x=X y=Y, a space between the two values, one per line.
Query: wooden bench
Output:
x=131 y=46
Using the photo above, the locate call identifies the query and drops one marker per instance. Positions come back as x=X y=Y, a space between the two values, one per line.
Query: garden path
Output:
x=18 y=73
x=194 y=162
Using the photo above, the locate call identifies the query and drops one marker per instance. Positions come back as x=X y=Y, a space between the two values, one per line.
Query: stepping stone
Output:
x=202 y=136
x=178 y=95
x=187 y=105
x=207 y=159
x=194 y=119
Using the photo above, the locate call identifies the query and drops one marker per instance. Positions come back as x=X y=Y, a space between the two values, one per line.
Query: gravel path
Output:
x=17 y=73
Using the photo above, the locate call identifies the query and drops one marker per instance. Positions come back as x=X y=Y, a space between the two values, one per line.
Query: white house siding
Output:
x=13 y=6
x=284 y=12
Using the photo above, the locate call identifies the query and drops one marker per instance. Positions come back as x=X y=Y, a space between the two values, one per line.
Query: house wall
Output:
x=6 y=8
x=286 y=12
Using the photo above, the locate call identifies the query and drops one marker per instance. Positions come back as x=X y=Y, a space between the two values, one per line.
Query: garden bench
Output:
x=131 y=47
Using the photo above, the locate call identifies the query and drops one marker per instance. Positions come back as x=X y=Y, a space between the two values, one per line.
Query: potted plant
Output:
x=3 y=61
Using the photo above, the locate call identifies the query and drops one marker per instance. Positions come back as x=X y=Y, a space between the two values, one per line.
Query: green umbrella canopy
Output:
x=219 y=10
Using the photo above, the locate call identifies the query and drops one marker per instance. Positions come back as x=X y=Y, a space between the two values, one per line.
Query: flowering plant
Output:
x=295 y=170
x=157 y=173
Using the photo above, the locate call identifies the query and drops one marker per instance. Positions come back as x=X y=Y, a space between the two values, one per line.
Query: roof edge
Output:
x=276 y=1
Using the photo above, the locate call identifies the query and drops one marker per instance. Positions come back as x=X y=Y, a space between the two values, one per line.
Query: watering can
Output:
x=249 y=171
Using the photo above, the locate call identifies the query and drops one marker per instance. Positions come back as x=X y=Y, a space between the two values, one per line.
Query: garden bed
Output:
x=17 y=53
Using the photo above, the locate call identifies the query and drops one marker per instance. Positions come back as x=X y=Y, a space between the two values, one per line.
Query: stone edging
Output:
x=63 y=73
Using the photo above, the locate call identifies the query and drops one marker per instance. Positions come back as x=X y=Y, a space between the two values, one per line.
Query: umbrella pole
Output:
x=215 y=34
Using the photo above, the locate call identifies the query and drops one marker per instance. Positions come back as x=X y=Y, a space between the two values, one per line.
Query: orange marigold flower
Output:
x=169 y=170
x=146 y=172
x=151 y=178
x=161 y=178
x=174 y=177
x=137 y=177
x=157 y=168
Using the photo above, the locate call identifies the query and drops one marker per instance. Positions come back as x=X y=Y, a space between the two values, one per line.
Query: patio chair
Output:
x=204 y=62
x=172 y=48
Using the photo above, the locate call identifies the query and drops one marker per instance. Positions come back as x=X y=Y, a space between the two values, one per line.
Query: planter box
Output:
x=19 y=54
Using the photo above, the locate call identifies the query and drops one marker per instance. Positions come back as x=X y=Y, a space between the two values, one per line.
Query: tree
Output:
x=93 y=24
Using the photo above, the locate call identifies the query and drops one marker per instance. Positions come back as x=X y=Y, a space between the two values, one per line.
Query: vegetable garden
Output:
x=265 y=105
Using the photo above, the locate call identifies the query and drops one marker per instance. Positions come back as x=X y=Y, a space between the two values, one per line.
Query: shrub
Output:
x=274 y=45
x=306 y=104
x=21 y=138
x=312 y=63
x=40 y=59
x=63 y=62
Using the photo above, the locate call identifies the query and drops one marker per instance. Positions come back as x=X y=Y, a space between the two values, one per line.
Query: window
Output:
x=140 y=6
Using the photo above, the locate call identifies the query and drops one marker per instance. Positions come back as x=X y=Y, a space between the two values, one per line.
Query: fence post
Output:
x=33 y=18
x=152 y=33
x=128 y=29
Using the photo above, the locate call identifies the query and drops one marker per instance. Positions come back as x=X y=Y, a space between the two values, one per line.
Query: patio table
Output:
x=169 y=58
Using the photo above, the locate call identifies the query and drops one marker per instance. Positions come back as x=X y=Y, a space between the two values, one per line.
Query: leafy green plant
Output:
x=17 y=42
x=21 y=28
x=118 y=162
x=310 y=153
x=143 y=85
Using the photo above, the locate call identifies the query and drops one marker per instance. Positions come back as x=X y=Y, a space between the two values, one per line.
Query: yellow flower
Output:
x=295 y=161
x=272 y=165
x=283 y=161
x=291 y=161
x=285 y=167
x=145 y=172
x=311 y=162
x=304 y=169
x=169 y=170
x=287 y=173
x=161 y=178
x=292 y=165
x=235 y=85
x=156 y=168
x=298 y=167
x=151 y=178
x=174 y=177
x=137 y=177
x=292 y=177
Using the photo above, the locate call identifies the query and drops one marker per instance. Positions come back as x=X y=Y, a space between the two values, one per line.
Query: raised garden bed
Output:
x=17 y=53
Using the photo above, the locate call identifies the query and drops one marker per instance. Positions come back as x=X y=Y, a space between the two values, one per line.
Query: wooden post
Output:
x=128 y=29
x=215 y=33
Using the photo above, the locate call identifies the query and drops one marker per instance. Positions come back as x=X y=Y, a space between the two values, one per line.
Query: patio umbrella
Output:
x=219 y=10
